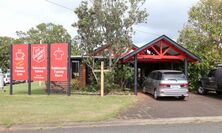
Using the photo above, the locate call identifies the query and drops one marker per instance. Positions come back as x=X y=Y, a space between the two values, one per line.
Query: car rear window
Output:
x=173 y=75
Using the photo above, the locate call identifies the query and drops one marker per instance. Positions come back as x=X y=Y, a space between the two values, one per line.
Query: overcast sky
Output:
x=165 y=17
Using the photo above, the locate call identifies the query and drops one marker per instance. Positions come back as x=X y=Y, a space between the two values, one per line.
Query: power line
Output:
x=91 y=1
x=147 y=32
x=57 y=4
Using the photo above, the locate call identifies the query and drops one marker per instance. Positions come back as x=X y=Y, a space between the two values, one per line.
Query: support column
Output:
x=102 y=79
x=29 y=69
x=48 y=71
x=135 y=75
x=69 y=69
x=172 y=65
x=11 y=63
x=186 y=68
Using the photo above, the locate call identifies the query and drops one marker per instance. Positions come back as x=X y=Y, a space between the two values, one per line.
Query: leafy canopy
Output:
x=48 y=33
x=108 y=22
x=203 y=36
x=45 y=33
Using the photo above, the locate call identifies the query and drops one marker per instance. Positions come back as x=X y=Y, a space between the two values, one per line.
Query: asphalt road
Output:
x=177 y=128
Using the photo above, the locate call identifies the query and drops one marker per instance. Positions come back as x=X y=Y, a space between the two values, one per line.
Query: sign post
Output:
x=40 y=62
x=29 y=69
x=11 y=75
x=48 y=69
x=19 y=63
x=68 y=65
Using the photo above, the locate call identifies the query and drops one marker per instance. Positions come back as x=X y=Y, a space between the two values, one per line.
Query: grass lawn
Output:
x=42 y=109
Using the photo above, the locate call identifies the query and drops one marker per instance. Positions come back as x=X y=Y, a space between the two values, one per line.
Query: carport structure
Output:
x=160 y=53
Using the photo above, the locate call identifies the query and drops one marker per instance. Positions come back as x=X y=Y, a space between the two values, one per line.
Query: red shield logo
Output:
x=39 y=54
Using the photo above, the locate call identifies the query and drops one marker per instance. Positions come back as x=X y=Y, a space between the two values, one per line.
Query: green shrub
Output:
x=90 y=88
x=75 y=85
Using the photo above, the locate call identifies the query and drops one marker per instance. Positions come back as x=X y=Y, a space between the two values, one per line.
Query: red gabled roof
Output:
x=161 y=49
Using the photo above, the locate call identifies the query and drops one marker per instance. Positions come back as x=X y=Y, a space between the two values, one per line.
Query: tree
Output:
x=48 y=33
x=5 y=43
x=45 y=33
x=202 y=35
x=107 y=22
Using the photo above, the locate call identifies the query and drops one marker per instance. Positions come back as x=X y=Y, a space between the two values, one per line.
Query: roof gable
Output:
x=176 y=49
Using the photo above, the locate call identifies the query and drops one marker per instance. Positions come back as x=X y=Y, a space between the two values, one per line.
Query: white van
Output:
x=1 y=80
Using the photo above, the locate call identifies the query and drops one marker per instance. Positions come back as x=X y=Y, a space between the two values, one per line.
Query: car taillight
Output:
x=165 y=85
x=184 y=85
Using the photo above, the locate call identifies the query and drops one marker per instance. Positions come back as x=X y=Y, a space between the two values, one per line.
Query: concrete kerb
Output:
x=159 y=121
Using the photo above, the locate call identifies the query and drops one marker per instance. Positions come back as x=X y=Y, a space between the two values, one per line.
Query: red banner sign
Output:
x=20 y=62
x=39 y=62
x=59 y=61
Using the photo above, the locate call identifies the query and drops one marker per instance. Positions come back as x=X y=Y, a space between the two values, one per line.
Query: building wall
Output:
x=82 y=74
x=58 y=86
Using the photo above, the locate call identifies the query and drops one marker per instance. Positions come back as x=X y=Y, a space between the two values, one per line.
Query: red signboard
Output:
x=20 y=62
x=58 y=56
x=39 y=62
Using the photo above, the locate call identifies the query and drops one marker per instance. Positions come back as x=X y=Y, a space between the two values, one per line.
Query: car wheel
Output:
x=144 y=90
x=201 y=90
x=155 y=95
x=181 y=97
x=219 y=92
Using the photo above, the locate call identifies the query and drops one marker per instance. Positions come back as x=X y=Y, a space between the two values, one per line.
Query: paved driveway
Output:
x=193 y=106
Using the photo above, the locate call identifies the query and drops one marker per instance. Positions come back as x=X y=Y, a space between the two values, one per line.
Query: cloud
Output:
x=24 y=14
x=166 y=17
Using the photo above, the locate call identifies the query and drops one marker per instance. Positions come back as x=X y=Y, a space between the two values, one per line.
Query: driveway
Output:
x=193 y=106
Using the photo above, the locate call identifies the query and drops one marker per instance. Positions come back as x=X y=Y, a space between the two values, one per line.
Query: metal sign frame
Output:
x=48 y=69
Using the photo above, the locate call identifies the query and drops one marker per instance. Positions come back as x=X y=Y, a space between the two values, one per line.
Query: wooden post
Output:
x=102 y=79
x=102 y=71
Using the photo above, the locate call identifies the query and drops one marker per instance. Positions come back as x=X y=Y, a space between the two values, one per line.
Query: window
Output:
x=75 y=69
x=155 y=76
x=151 y=75
x=159 y=75
x=173 y=75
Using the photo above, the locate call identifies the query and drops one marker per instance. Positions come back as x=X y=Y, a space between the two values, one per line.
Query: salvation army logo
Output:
x=39 y=54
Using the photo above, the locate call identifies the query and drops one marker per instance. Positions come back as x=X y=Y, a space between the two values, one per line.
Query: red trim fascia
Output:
x=128 y=59
x=161 y=47
x=156 y=60
x=160 y=57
